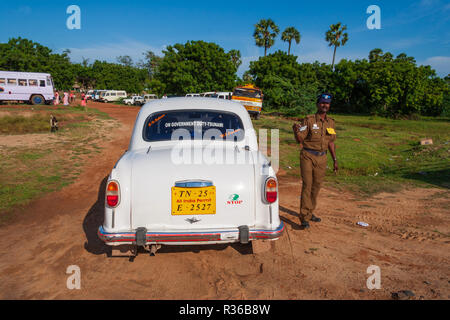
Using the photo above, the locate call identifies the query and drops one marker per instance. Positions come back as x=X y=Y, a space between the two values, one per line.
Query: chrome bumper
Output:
x=199 y=236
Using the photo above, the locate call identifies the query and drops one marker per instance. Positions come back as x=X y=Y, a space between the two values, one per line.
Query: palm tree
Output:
x=336 y=37
x=235 y=56
x=291 y=34
x=265 y=33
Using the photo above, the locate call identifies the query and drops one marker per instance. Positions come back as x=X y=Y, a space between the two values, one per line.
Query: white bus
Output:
x=32 y=87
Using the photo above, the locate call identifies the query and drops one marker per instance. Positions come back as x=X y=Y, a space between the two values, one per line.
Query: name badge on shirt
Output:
x=331 y=131
x=315 y=126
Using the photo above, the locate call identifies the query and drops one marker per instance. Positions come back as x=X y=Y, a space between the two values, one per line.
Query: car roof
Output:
x=181 y=103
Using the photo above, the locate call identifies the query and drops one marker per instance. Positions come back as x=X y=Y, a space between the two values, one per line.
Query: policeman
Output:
x=315 y=134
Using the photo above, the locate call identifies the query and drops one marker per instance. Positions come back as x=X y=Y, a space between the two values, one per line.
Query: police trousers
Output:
x=313 y=169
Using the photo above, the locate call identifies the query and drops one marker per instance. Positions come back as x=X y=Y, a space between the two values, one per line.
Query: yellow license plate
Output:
x=187 y=201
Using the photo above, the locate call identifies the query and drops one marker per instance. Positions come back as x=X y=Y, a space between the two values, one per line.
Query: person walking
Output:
x=56 y=100
x=66 y=99
x=315 y=134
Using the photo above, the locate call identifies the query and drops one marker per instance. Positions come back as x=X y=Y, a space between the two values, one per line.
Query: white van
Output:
x=222 y=95
x=193 y=95
x=207 y=94
x=32 y=87
x=112 y=95
x=150 y=96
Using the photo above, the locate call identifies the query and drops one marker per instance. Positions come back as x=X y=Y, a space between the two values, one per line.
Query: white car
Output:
x=176 y=185
x=134 y=100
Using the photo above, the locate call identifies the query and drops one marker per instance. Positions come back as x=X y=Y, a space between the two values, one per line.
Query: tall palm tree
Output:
x=336 y=37
x=265 y=33
x=235 y=56
x=290 y=34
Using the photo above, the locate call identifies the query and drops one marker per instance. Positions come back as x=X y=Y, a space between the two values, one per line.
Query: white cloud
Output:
x=110 y=51
x=440 y=64
x=245 y=64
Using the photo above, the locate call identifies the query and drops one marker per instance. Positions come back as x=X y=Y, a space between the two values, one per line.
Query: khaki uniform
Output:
x=315 y=134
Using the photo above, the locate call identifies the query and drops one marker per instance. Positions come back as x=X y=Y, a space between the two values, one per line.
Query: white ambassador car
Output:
x=192 y=174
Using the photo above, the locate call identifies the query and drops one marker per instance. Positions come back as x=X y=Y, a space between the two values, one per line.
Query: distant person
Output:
x=72 y=97
x=66 y=99
x=83 y=100
x=56 y=101
x=315 y=135
x=53 y=123
x=164 y=96
x=82 y=96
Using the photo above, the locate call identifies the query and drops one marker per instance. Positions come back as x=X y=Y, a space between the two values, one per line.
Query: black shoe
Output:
x=315 y=219
x=305 y=225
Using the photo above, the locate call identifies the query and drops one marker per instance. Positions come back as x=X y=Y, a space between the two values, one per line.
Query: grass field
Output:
x=376 y=154
x=44 y=162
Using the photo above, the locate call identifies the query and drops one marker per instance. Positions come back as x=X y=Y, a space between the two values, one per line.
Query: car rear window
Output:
x=193 y=124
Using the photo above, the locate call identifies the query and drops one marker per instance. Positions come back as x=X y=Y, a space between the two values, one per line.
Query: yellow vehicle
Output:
x=250 y=97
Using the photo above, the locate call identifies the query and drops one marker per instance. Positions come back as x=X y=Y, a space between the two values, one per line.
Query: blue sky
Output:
x=112 y=28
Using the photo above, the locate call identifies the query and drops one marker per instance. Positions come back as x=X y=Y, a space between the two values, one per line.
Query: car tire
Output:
x=37 y=99
x=257 y=116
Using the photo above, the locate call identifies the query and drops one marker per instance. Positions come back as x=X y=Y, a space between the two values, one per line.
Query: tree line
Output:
x=381 y=84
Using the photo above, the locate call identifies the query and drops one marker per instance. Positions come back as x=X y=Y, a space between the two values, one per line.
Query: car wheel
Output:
x=257 y=115
x=37 y=99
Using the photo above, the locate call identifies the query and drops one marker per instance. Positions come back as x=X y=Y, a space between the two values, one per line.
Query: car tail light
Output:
x=270 y=190
x=112 y=194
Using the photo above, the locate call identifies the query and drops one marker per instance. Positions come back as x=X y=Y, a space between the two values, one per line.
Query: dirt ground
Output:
x=407 y=238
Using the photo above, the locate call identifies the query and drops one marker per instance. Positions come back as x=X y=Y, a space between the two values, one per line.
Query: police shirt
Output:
x=316 y=133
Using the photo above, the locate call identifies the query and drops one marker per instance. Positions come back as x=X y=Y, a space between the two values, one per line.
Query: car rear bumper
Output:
x=213 y=236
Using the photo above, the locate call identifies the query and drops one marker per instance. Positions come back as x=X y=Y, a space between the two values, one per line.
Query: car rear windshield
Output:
x=193 y=124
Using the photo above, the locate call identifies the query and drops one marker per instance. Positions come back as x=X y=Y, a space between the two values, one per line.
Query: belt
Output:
x=316 y=153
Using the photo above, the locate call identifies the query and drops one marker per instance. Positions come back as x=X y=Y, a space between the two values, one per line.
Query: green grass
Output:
x=27 y=173
x=376 y=154
x=17 y=124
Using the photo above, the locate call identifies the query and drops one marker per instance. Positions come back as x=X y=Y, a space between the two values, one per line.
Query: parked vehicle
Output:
x=134 y=100
x=153 y=198
x=223 y=95
x=112 y=95
x=149 y=97
x=193 y=95
x=207 y=94
x=97 y=95
x=31 y=87
x=89 y=94
x=250 y=97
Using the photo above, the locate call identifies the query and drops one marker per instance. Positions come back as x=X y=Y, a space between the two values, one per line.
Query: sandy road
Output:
x=407 y=238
